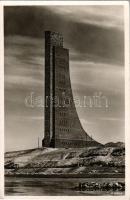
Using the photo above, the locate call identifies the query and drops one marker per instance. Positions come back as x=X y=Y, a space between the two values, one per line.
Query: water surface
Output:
x=15 y=186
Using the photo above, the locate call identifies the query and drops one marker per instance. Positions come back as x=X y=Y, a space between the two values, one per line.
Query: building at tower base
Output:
x=62 y=125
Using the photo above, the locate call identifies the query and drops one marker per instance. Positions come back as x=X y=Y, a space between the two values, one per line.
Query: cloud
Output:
x=81 y=35
x=111 y=119
x=24 y=60
x=22 y=81
x=26 y=118
x=106 y=16
x=102 y=77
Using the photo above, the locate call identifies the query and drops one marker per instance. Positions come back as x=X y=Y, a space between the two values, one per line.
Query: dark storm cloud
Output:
x=24 y=65
x=103 y=41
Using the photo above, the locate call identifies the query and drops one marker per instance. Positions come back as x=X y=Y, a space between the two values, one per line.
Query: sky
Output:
x=94 y=36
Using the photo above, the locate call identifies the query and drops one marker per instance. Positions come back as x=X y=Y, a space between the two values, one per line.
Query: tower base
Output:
x=64 y=143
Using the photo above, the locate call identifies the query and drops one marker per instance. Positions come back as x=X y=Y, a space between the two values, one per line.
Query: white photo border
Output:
x=127 y=95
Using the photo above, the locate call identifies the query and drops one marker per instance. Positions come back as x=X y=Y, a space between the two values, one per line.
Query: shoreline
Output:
x=66 y=175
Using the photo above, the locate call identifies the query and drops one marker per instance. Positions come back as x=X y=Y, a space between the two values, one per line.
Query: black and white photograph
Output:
x=65 y=99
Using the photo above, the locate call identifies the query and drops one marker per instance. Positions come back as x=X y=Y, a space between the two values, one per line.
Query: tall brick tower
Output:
x=62 y=125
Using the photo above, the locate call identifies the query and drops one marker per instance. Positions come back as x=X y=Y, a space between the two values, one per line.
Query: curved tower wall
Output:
x=62 y=125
